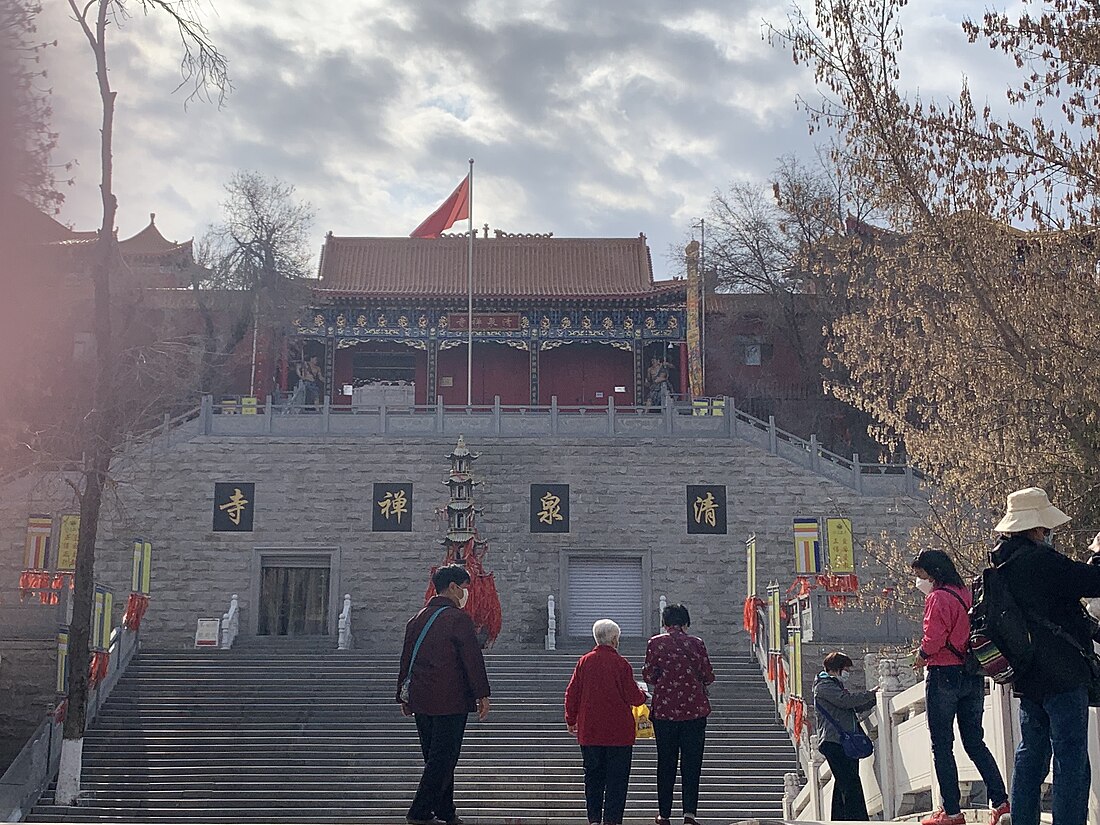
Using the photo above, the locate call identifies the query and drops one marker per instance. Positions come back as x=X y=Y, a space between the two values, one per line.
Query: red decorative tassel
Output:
x=60 y=711
x=483 y=606
x=796 y=708
x=136 y=606
x=98 y=670
x=771 y=667
x=752 y=617
x=781 y=674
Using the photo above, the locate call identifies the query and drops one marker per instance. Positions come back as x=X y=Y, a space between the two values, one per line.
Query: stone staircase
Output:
x=295 y=736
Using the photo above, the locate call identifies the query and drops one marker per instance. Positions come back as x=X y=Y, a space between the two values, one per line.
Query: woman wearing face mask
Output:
x=833 y=697
x=950 y=692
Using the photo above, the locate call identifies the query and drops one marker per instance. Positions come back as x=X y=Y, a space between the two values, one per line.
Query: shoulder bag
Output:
x=403 y=694
x=856 y=743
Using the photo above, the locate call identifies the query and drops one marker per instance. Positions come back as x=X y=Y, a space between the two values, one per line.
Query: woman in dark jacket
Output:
x=599 y=705
x=833 y=697
x=679 y=669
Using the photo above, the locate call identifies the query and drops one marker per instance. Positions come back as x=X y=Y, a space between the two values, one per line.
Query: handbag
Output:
x=403 y=694
x=971 y=665
x=643 y=726
x=856 y=744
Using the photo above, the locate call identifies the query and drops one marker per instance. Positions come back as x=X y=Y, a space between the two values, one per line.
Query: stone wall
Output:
x=315 y=493
x=27 y=677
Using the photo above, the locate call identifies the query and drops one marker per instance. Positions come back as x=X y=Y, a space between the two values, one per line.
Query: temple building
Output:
x=574 y=318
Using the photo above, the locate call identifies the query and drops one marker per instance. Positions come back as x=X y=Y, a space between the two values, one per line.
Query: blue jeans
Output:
x=952 y=695
x=1059 y=723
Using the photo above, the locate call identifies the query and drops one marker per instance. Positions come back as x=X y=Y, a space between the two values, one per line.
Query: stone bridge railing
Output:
x=717 y=419
x=899 y=779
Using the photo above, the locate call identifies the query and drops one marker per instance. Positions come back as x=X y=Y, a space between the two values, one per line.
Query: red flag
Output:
x=452 y=210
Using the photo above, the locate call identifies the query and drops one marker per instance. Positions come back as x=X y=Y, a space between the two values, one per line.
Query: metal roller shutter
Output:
x=605 y=589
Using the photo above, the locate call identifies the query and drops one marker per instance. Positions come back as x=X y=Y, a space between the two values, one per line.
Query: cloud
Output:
x=608 y=118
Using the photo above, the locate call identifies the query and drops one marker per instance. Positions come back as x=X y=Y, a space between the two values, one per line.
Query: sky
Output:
x=586 y=118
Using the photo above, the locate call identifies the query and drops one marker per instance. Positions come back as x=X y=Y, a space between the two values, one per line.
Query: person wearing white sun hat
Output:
x=1053 y=690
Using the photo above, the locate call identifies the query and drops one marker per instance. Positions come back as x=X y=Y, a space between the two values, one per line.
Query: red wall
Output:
x=576 y=372
x=498 y=370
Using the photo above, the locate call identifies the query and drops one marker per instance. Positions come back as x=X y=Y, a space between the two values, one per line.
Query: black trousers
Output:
x=848 y=802
x=440 y=742
x=606 y=776
x=679 y=743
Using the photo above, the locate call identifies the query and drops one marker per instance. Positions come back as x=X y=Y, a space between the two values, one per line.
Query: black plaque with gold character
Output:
x=234 y=506
x=549 y=508
x=706 y=508
x=392 y=508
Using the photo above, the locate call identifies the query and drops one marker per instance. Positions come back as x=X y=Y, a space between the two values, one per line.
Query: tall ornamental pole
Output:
x=470 y=294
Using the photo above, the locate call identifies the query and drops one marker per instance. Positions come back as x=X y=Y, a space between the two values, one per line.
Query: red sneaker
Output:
x=1001 y=815
x=941 y=817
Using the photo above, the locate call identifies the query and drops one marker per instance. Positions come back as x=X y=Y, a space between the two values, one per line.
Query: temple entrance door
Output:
x=294 y=598
x=605 y=588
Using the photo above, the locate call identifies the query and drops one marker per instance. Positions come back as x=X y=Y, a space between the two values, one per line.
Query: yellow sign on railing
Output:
x=750 y=564
x=775 y=619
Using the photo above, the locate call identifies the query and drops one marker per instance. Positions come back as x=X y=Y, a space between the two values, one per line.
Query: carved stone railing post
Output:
x=231 y=623
x=551 y=625
x=790 y=794
x=343 y=631
x=662 y=603
x=889 y=686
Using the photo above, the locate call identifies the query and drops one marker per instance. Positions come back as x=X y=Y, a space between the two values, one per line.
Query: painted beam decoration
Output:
x=234 y=506
x=67 y=538
x=842 y=554
x=706 y=509
x=549 y=508
x=807 y=546
x=391 y=508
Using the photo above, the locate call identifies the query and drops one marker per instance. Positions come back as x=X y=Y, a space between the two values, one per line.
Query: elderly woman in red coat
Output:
x=599 y=705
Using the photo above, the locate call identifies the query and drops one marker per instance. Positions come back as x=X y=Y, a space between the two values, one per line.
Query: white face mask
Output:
x=465 y=597
x=844 y=676
x=924 y=586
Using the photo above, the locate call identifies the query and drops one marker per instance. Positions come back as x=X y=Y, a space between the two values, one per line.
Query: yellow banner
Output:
x=842 y=556
x=775 y=620
x=795 y=687
x=63 y=660
x=750 y=564
x=67 y=539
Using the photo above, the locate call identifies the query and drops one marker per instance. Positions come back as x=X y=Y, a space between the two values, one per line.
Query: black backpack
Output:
x=999 y=636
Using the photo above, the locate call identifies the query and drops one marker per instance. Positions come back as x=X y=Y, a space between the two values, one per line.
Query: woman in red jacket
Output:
x=950 y=692
x=599 y=706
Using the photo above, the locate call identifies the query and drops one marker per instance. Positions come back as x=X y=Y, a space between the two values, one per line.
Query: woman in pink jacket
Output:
x=950 y=691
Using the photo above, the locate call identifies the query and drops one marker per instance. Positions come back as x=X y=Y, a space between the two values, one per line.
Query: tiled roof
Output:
x=504 y=267
x=149 y=241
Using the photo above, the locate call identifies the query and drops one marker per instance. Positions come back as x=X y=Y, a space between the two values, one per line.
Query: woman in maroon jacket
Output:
x=599 y=706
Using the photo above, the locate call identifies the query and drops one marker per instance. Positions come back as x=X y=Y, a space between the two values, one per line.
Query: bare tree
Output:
x=203 y=68
x=260 y=255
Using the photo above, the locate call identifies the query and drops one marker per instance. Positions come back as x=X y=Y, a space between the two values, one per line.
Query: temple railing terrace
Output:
x=717 y=419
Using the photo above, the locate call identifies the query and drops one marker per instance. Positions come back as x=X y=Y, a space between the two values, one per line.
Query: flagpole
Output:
x=470 y=291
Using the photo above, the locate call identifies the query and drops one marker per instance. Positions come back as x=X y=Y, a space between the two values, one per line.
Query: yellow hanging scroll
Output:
x=141 y=575
x=842 y=557
x=63 y=660
x=750 y=564
x=67 y=539
x=795 y=637
x=775 y=620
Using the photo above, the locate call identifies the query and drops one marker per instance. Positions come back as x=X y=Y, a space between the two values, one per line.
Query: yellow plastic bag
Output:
x=643 y=728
